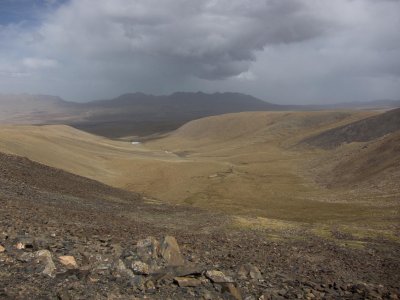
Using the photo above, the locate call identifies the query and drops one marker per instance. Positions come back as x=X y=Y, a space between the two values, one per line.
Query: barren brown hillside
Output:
x=362 y=131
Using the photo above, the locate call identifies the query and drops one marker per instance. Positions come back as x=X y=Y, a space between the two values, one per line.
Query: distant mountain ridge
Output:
x=139 y=114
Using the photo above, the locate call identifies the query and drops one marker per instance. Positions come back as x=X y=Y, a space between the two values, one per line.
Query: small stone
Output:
x=44 y=257
x=393 y=296
x=122 y=270
x=140 y=268
x=148 y=248
x=249 y=270
x=103 y=266
x=170 y=252
x=26 y=257
x=63 y=295
x=310 y=296
x=2 y=249
x=68 y=261
x=255 y=273
x=282 y=292
x=207 y=295
x=93 y=279
x=187 y=281
x=149 y=285
x=218 y=277
x=242 y=273
x=181 y=271
x=138 y=282
x=233 y=290
x=117 y=249
x=19 y=246
x=24 y=243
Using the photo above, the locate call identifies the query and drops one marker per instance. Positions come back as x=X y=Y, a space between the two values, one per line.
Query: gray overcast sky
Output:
x=283 y=51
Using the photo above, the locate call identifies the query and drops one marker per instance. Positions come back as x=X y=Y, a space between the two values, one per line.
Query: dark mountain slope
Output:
x=196 y=102
x=376 y=164
x=20 y=175
x=140 y=114
x=360 y=131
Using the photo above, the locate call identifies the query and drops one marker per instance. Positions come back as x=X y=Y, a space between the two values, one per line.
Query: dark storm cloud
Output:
x=272 y=48
x=211 y=39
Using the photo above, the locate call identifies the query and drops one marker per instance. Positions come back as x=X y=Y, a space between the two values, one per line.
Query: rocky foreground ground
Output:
x=66 y=237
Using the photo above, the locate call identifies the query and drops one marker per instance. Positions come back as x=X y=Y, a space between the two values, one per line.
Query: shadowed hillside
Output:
x=372 y=160
x=19 y=171
x=360 y=131
x=364 y=166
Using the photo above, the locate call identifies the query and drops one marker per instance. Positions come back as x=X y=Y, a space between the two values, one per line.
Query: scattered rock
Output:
x=182 y=271
x=44 y=257
x=233 y=290
x=26 y=257
x=170 y=252
x=19 y=246
x=150 y=285
x=68 y=261
x=218 y=277
x=140 y=268
x=138 y=281
x=248 y=270
x=207 y=295
x=2 y=249
x=187 y=281
x=97 y=261
x=148 y=248
x=122 y=270
x=158 y=269
x=24 y=243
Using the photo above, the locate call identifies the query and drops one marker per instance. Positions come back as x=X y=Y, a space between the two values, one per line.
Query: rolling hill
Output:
x=240 y=163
